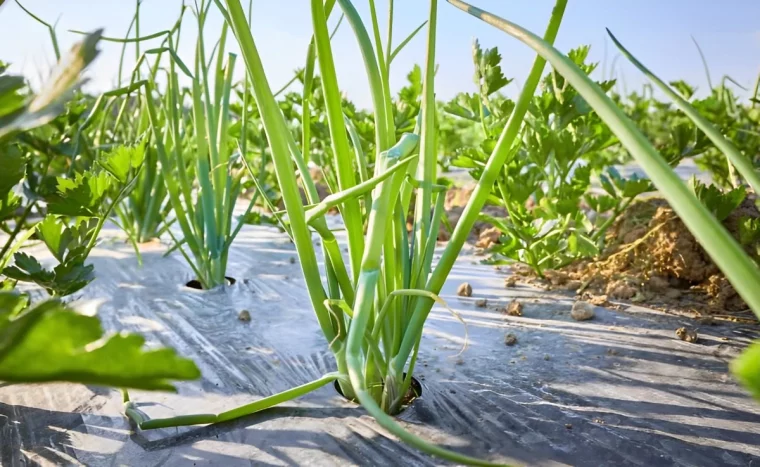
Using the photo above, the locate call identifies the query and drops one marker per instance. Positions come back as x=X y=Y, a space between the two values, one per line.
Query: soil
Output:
x=483 y=234
x=515 y=308
x=653 y=259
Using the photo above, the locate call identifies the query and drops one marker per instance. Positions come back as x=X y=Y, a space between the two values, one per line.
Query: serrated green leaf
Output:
x=749 y=230
x=71 y=276
x=49 y=342
x=66 y=278
x=411 y=93
x=488 y=74
x=56 y=236
x=607 y=185
x=122 y=160
x=464 y=105
x=11 y=99
x=720 y=203
x=81 y=196
x=26 y=263
x=12 y=162
x=635 y=186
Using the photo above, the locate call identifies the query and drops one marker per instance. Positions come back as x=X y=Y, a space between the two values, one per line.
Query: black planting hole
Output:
x=196 y=284
x=415 y=391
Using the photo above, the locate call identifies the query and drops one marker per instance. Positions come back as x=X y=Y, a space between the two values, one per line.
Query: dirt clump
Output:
x=515 y=308
x=510 y=340
x=582 y=311
x=488 y=238
x=687 y=335
x=464 y=290
x=651 y=258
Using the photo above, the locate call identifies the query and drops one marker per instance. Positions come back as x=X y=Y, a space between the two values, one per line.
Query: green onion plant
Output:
x=372 y=309
x=120 y=116
x=196 y=144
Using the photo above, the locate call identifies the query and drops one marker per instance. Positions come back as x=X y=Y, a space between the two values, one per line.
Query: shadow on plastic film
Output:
x=687 y=433
x=328 y=432
x=22 y=427
x=214 y=443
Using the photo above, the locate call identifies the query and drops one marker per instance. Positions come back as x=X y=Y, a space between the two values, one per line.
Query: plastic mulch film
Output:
x=616 y=390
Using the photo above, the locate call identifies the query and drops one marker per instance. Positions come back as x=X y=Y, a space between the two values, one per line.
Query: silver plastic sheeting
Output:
x=616 y=390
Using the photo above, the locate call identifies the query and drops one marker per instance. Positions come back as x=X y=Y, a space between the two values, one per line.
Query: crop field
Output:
x=201 y=265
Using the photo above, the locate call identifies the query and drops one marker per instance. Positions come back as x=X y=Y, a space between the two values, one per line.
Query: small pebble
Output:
x=510 y=340
x=582 y=311
x=481 y=303
x=464 y=290
x=569 y=426
x=244 y=316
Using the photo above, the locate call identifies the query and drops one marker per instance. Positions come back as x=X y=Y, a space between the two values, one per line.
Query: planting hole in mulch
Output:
x=414 y=392
x=196 y=284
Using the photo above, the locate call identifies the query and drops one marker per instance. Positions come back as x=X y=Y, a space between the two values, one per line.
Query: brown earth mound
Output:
x=652 y=258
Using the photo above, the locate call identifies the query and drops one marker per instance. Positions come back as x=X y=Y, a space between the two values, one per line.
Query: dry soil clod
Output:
x=582 y=311
x=510 y=340
x=464 y=290
x=515 y=308
x=244 y=316
x=510 y=281
x=687 y=335
x=488 y=238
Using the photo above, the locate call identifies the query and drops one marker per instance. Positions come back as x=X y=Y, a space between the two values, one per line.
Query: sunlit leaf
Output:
x=49 y=342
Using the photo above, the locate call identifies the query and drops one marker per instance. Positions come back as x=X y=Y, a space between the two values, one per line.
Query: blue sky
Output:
x=657 y=31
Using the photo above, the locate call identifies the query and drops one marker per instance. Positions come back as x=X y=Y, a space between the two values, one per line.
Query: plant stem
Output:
x=146 y=423
x=16 y=229
x=482 y=190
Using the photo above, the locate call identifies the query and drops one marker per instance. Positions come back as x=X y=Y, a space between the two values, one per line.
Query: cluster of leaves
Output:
x=554 y=214
x=88 y=199
x=722 y=203
x=34 y=130
x=47 y=341
x=677 y=138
